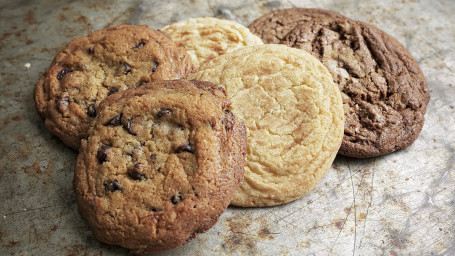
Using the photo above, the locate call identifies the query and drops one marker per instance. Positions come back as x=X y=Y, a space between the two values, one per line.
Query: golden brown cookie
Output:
x=104 y=62
x=206 y=38
x=384 y=90
x=294 y=115
x=160 y=165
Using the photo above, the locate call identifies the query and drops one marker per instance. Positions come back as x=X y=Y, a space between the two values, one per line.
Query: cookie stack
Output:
x=161 y=157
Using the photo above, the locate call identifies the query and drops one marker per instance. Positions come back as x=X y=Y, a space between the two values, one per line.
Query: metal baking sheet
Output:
x=398 y=204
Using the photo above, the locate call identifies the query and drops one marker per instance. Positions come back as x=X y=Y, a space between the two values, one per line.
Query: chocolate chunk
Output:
x=228 y=120
x=112 y=186
x=128 y=128
x=155 y=65
x=127 y=68
x=141 y=83
x=176 y=199
x=112 y=91
x=184 y=148
x=63 y=72
x=102 y=153
x=91 y=111
x=153 y=157
x=115 y=121
x=135 y=173
x=139 y=45
x=91 y=50
x=164 y=112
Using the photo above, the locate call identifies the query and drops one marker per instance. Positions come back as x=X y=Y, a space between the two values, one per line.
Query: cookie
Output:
x=384 y=90
x=294 y=117
x=206 y=38
x=160 y=165
x=104 y=62
x=274 y=26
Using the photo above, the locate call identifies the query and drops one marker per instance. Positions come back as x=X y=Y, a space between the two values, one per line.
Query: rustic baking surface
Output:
x=399 y=204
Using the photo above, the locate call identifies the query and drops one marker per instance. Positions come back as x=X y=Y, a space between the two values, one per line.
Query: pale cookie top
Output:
x=206 y=38
x=294 y=117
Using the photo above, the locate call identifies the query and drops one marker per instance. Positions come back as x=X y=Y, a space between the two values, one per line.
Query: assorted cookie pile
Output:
x=172 y=126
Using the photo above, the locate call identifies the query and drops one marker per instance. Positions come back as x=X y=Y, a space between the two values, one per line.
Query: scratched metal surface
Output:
x=399 y=204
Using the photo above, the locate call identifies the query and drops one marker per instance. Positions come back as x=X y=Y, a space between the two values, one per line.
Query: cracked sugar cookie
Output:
x=102 y=63
x=206 y=38
x=294 y=117
x=160 y=165
x=383 y=88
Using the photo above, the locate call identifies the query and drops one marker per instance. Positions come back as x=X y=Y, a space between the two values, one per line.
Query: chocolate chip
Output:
x=153 y=157
x=139 y=45
x=102 y=153
x=155 y=65
x=63 y=72
x=112 y=91
x=128 y=128
x=91 y=50
x=135 y=173
x=91 y=111
x=228 y=120
x=115 y=121
x=141 y=83
x=164 y=112
x=176 y=199
x=154 y=209
x=112 y=186
x=184 y=148
x=127 y=68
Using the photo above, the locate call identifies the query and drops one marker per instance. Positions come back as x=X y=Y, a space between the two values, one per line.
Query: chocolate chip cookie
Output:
x=160 y=165
x=294 y=115
x=206 y=38
x=384 y=90
x=102 y=63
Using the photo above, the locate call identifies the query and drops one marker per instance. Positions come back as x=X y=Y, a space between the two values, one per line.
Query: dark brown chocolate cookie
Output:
x=160 y=165
x=102 y=63
x=384 y=91
x=274 y=26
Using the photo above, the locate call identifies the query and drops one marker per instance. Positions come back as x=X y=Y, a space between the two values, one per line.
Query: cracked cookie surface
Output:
x=160 y=165
x=206 y=38
x=102 y=63
x=384 y=91
x=294 y=115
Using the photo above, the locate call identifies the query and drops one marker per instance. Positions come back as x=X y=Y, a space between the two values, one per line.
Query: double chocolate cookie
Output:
x=100 y=64
x=160 y=165
x=384 y=91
